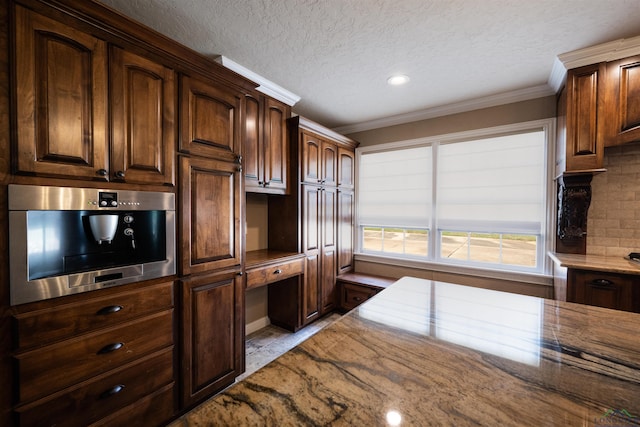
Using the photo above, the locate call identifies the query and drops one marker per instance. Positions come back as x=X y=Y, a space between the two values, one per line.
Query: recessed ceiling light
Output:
x=398 y=79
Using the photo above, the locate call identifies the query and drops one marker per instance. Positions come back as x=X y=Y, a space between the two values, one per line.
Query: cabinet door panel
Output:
x=210 y=117
x=623 y=105
x=253 y=149
x=329 y=165
x=276 y=147
x=210 y=211
x=585 y=104
x=212 y=334
x=61 y=88
x=345 y=231
x=311 y=290
x=328 y=206
x=311 y=157
x=346 y=168
x=142 y=117
x=311 y=218
x=328 y=277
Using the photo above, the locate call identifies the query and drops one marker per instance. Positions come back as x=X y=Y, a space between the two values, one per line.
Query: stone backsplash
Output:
x=613 y=223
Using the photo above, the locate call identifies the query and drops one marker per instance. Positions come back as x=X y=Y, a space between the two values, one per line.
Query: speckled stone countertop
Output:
x=424 y=353
x=596 y=262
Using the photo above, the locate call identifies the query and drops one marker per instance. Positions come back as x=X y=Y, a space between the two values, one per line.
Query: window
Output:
x=395 y=204
x=476 y=199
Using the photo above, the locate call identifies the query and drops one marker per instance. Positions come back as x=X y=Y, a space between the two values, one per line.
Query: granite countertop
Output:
x=596 y=262
x=432 y=353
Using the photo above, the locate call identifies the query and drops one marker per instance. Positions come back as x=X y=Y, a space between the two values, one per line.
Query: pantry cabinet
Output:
x=84 y=113
x=266 y=145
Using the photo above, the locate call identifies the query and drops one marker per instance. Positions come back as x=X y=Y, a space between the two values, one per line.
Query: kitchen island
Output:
x=431 y=353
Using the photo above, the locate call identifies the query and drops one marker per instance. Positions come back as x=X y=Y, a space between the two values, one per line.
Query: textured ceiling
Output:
x=337 y=54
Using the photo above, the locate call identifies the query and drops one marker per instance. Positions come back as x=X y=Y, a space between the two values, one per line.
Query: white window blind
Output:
x=395 y=188
x=492 y=184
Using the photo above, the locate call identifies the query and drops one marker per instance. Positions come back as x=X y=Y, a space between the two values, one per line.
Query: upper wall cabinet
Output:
x=61 y=88
x=622 y=106
x=319 y=160
x=266 y=145
x=210 y=116
x=583 y=104
x=142 y=106
x=599 y=107
x=63 y=107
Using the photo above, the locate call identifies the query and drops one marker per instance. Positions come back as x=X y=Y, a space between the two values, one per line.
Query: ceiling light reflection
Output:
x=394 y=418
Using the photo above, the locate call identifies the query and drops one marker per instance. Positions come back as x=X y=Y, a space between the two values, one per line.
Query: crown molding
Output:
x=604 y=52
x=445 y=110
x=266 y=86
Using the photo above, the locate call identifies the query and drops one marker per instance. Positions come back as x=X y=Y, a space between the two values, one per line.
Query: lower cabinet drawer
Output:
x=274 y=273
x=101 y=396
x=601 y=289
x=58 y=366
x=354 y=295
x=154 y=410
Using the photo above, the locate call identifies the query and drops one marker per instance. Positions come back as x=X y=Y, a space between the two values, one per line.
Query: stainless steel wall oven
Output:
x=66 y=240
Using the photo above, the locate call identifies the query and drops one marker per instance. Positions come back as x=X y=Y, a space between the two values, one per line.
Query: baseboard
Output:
x=256 y=325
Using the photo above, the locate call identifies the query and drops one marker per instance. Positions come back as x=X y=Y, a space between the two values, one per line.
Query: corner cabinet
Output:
x=89 y=111
x=266 y=145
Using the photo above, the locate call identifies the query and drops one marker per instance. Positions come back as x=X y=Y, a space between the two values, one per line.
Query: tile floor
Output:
x=268 y=343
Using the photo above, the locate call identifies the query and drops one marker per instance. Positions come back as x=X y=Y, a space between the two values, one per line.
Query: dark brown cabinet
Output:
x=210 y=116
x=210 y=208
x=319 y=162
x=583 y=103
x=213 y=349
x=124 y=340
x=61 y=74
x=211 y=212
x=68 y=91
x=266 y=149
x=603 y=289
x=356 y=288
x=622 y=105
x=142 y=105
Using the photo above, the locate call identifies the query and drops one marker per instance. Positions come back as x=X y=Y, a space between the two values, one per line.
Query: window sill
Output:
x=515 y=276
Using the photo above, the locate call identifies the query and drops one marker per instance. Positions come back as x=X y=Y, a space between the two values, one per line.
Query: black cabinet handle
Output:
x=278 y=271
x=240 y=273
x=120 y=174
x=109 y=310
x=266 y=184
x=110 y=348
x=113 y=390
x=102 y=172
x=603 y=283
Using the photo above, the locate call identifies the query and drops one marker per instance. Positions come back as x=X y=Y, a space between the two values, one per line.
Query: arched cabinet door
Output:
x=61 y=100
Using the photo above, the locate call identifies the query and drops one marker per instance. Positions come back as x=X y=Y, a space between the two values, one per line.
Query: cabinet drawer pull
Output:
x=113 y=390
x=602 y=282
x=102 y=172
x=120 y=174
x=278 y=271
x=109 y=310
x=110 y=348
x=357 y=299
